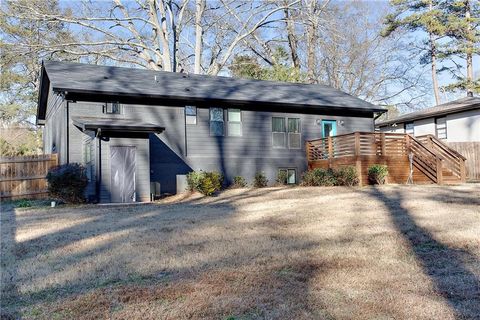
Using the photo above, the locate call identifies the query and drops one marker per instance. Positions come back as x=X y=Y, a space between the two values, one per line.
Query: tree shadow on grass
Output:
x=285 y=282
x=447 y=267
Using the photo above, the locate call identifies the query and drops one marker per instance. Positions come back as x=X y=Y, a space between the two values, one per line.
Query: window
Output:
x=87 y=158
x=409 y=128
x=294 y=135
x=216 y=122
x=190 y=115
x=234 y=122
x=278 y=132
x=112 y=108
x=290 y=174
x=441 y=128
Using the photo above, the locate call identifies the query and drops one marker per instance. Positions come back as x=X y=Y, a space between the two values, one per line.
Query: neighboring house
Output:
x=454 y=121
x=131 y=127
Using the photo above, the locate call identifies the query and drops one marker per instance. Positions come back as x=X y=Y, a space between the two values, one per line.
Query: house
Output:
x=456 y=123
x=133 y=127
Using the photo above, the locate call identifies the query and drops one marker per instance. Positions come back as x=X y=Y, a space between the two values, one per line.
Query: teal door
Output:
x=329 y=128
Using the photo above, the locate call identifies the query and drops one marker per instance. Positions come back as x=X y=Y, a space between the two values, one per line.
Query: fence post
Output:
x=330 y=148
x=307 y=149
x=439 y=170
x=382 y=141
x=357 y=143
x=407 y=143
x=463 y=175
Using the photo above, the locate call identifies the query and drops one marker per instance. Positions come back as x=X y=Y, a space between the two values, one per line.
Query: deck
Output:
x=432 y=160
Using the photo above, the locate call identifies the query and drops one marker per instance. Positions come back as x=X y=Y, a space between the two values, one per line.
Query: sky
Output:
x=444 y=78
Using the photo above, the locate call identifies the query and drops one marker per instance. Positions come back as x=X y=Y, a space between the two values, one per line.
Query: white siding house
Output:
x=455 y=121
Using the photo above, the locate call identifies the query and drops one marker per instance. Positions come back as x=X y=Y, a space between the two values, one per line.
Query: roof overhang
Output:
x=414 y=116
x=115 y=125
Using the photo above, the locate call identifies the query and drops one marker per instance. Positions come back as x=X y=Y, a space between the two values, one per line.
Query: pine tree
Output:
x=463 y=28
x=424 y=15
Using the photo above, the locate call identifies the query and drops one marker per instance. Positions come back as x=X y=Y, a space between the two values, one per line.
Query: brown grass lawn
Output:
x=394 y=252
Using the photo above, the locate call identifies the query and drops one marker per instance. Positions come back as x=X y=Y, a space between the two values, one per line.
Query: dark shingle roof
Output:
x=459 y=105
x=96 y=79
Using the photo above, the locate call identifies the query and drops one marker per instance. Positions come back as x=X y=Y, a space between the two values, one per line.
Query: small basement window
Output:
x=290 y=174
x=112 y=108
x=190 y=115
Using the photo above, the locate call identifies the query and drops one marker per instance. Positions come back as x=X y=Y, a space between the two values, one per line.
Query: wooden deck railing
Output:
x=430 y=158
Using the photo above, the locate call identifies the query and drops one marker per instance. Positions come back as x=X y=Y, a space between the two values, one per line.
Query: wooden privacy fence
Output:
x=471 y=151
x=25 y=177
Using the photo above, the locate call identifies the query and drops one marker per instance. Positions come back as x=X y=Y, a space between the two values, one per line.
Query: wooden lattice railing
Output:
x=431 y=161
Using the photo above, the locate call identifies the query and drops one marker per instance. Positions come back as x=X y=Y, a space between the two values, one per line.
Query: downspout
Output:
x=99 y=165
x=68 y=133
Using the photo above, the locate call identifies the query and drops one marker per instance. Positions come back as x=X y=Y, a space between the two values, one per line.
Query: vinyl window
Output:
x=291 y=175
x=278 y=132
x=294 y=133
x=410 y=128
x=441 y=128
x=190 y=115
x=112 y=108
x=234 y=122
x=216 y=122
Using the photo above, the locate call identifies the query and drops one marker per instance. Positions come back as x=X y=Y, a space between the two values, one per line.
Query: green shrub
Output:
x=346 y=176
x=319 y=177
x=204 y=182
x=67 y=182
x=238 y=182
x=282 y=177
x=377 y=174
x=194 y=180
x=23 y=203
x=260 y=180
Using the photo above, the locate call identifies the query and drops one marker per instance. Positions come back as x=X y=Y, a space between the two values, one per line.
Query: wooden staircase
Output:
x=450 y=163
x=433 y=161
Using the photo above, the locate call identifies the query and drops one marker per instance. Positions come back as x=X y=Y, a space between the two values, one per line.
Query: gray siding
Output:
x=54 y=132
x=181 y=149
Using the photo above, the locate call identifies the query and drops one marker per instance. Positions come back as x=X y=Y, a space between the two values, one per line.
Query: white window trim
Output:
x=240 y=122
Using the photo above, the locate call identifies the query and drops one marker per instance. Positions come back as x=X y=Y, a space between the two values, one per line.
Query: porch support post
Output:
x=439 y=171
x=330 y=147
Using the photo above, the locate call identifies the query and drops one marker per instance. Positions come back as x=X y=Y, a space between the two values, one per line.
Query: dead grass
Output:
x=279 y=253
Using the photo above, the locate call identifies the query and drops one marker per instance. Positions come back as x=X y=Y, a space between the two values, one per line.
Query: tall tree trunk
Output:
x=433 y=50
x=311 y=40
x=433 y=53
x=469 y=49
x=292 y=39
x=200 y=8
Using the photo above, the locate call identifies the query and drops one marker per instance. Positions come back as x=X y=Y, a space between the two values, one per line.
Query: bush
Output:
x=204 y=182
x=260 y=180
x=238 y=182
x=194 y=180
x=23 y=203
x=346 y=176
x=319 y=177
x=377 y=174
x=282 y=177
x=67 y=182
